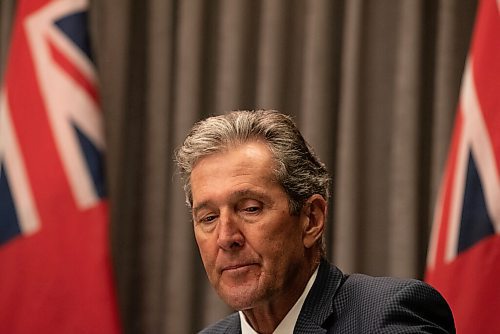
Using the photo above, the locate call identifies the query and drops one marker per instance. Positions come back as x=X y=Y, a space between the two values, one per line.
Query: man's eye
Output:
x=208 y=219
x=252 y=209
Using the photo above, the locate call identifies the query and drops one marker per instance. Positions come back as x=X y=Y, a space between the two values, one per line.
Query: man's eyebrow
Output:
x=244 y=193
x=250 y=193
x=199 y=207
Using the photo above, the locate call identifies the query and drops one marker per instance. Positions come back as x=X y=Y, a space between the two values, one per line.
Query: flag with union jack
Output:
x=464 y=253
x=55 y=269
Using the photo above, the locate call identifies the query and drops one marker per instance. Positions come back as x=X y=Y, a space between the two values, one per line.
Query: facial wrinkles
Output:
x=243 y=180
x=227 y=168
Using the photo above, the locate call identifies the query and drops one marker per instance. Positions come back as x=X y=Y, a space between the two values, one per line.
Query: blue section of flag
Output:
x=476 y=223
x=9 y=225
x=94 y=159
x=75 y=27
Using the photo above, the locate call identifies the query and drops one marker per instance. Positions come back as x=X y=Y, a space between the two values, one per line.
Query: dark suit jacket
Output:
x=339 y=303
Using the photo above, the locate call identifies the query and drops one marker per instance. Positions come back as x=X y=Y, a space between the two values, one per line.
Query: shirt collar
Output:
x=286 y=325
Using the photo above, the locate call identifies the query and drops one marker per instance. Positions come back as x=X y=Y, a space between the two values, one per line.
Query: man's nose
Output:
x=230 y=236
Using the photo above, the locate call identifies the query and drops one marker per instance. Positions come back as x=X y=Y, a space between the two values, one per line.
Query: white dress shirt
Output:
x=286 y=325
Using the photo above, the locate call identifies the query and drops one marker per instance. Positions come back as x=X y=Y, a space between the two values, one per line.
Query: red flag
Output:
x=55 y=269
x=464 y=253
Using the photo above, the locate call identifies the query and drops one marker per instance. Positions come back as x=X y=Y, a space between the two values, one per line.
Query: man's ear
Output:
x=314 y=217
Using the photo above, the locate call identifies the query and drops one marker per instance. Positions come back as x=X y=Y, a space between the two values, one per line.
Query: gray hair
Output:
x=298 y=170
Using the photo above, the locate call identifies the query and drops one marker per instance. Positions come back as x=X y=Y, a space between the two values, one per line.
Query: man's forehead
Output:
x=247 y=154
x=238 y=171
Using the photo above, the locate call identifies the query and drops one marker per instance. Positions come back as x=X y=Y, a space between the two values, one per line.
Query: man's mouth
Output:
x=237 y=267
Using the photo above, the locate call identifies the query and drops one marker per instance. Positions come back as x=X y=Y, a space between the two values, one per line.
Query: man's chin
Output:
x=239 y=298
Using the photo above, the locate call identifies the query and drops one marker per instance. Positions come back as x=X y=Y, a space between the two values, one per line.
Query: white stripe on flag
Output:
x=66 y=102
x=476 y=133
x=22 y=196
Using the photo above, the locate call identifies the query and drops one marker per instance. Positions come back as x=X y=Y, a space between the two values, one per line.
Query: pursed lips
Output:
x=237 y=266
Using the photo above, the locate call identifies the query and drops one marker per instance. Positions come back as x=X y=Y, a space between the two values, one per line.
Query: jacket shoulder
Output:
x=392 y=304
x=377 y=289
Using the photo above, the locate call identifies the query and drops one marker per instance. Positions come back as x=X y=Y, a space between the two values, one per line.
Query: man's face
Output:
x=251 y=247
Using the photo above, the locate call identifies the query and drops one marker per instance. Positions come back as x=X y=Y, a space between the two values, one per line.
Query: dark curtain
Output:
x=373 y=86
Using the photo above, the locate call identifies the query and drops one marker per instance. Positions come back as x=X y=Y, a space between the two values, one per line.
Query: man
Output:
x=258 y=195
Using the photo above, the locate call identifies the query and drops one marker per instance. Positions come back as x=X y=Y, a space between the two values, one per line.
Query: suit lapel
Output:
x=318 y=306
x=234 y=327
